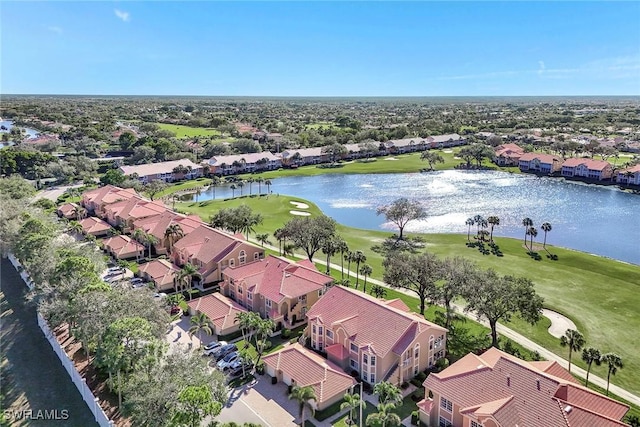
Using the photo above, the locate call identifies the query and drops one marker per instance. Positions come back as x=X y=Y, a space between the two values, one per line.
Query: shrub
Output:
x=286 y=333
x=415 y=417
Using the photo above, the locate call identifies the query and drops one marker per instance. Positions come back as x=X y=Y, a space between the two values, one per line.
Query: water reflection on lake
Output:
x=590 y=218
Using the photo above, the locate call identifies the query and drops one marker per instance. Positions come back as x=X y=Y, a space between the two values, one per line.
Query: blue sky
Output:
x=321 y=48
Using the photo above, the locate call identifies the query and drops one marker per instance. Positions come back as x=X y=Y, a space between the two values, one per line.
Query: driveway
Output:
x=54 y=192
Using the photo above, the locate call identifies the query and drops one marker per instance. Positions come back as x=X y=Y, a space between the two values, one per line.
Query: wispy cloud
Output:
x=55 y=29
x=124 y=16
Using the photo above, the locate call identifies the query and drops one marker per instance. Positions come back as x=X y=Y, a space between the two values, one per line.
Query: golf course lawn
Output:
x=600 y=295
x=188 y=131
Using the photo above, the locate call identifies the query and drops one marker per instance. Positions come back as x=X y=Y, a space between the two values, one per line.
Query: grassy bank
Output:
x=598 y=294
x=188 y=131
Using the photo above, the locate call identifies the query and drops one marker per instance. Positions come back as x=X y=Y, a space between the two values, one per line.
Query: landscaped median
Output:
x=598 y=294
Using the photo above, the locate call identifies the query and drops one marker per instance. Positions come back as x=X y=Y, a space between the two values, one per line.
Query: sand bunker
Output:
x=447 y=151
x=391 y=158
x=559 y=323
x=299 y=213
x=300 y=205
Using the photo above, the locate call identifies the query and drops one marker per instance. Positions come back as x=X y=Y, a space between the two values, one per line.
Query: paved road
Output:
x=511 y=334
x=32 y=376
x=55 y=192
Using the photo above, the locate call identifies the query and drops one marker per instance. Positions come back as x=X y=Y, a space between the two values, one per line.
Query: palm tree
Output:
x=151 y=240
x=185 y=275
x=478 y=221
x=172 y=234
x=280 y=235
x=493 y=220
x=469 y=222
x=384 y=417
x=483 y=233
x=268 y=184
x=352 y=402
x=533 y=232
x=198 y=193
x=79 y=212
x=546 y=227
x=262 y=238
x=574 y=340
x=387 y=393
x=348 y=257
x=358 y=257
x=342 y=247
x=329 y=248
x=247 y=323
x=614 y=362
x=365 y=270
x=240 y=186
x=233 y=190
x=74 y=227
x=200 y=322
x=260 y=181
x=215 y=181
x=526 y=223
x=250 y=181
x=304 y=396
x=589 y=356
x=378 y=291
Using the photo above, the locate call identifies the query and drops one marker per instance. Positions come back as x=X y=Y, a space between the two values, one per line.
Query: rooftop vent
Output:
x=568 y=409
x=538 y=384
x=508 y=381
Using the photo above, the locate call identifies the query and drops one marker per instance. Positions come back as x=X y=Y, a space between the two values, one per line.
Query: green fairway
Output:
x=188 y=131
x=598 y=294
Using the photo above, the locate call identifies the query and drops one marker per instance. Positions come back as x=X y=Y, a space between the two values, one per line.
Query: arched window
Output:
x=431 y=342
x=242 y=257
x=416 y=351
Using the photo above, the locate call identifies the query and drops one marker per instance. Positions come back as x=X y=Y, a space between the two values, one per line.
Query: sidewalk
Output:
x=509 y=333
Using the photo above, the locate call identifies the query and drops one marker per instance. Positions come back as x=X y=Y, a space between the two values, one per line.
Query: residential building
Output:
x=68 y=211
x=157 y=225
x=276 y=288
x=123 y=214
x=250 y=162
x=598 y=170
x=446 y=141
x=95 y=226
x=123 y=247
x=296 y=365
x=211 y=251
x=174 y=170
x=499 y=390
x=380 y=340
x=629 y=176
x=540 y=163
x=304 y=156
x=407 y=145
x=95 y=201
x=220 y=310
x=508 y=154
x=161 y=272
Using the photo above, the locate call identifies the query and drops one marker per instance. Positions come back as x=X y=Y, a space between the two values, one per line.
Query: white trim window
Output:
x=353 y=364
x=474 y=424
x=242 y=257
x=232 y=262
x=446 y=404
x=443 y=422
x=329 y=334
x=267 y=303
x=250 y=296
x=353 y=348
x=256 y=256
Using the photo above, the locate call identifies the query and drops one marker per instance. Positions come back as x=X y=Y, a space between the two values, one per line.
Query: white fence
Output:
x=80 y=383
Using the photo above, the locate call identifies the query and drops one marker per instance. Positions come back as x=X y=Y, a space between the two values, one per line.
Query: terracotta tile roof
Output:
x=512 y=391
x=121 y=244
x=161 y=271
x=307 y=368
x=68 y=210
x=633 y=169
x=158 y=168
x=555 y=369
x=94 y=225
x=397 y=303
x=543 y=158
x=509 y=150
x=220 y=309
x=135 y=208
x=278 y=278
x=360 y=315
x=108 y=194
x=158 y=224
x=206 y=244
x=589 y=163
x=338 y=351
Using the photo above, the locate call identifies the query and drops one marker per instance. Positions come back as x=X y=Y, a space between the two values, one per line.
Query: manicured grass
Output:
x=598 y=294
x=366 y=411
x=188 y=131
x=183 y=185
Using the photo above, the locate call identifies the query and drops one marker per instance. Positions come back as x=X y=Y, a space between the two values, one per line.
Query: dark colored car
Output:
x=226 y=349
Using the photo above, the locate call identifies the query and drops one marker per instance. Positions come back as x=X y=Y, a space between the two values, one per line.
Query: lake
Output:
x=597 y=219
x=8 y=124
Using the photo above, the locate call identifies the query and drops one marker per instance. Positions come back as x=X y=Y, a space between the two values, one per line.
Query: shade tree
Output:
x=401 y=212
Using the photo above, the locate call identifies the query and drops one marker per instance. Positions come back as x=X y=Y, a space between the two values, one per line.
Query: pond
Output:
x=5 y=127
x=597 y=219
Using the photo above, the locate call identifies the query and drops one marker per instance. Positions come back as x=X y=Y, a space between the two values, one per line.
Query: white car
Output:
x=228 y=360
x=213 y=347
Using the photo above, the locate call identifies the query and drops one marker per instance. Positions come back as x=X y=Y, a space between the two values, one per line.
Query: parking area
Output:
x=178 y=335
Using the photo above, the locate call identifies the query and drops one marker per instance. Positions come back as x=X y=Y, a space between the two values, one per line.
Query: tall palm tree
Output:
x=240 y=186
x=365 y=270
x=329 y=248
x=493 y=220
x=469 y=222
x=262 y=238
x=378 y=291
x=150 y=240
x=526 y=223
x=385 y=417
x=267 y=182
x=233 y=190
x=198 y=193
x=260 y=181
x=250 y=181
x=546 y=227
x=574 y=340
x=533 y=232
x=589 y=356
x=200 y=322
x=247 y=323
x=614 y=362
x=74 y=227
x=304 y=396
x=358 y=257
x=478 y=221
x=348 y=257
x=279 y=234
x=483 y=233
x=352 y=402
x=215 y=181
x=172 y=234
x=186 y=274
x=342 y=247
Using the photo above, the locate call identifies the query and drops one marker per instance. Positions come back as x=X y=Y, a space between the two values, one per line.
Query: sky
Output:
x=290 y=48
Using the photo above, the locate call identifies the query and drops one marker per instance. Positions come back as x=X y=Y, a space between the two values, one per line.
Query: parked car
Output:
x=174 y=310
x=213 y=347
x=227 y=360
x=114 y=270
x=237 y=372
x=235 y=365
x=160 y=295
x=136 y=280
x=226 y=349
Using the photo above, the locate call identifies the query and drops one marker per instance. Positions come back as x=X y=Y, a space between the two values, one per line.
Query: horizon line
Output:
x=320 y=96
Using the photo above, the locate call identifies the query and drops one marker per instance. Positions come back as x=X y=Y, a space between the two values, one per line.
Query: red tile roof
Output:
x=221 y=310
x=278 y=278
x=512 y=391
x=360 y=315
x=543 y=158
x=121 y=245
x=108 y=194
x=206 y=244
x=591 y=164
x=509 y=150
x=161 y=271
x=94 y=225
x=68 y=210
x=633 y=169
x=306 y=368
x=157 y=224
